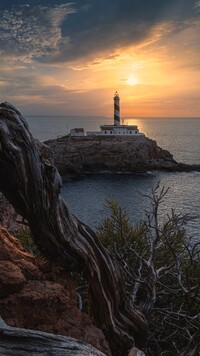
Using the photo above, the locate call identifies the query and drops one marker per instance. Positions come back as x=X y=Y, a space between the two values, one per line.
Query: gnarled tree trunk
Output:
x=33 y=185
x=22 y=342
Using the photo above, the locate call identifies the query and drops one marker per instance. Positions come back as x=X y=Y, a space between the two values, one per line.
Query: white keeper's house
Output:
x=77 y=132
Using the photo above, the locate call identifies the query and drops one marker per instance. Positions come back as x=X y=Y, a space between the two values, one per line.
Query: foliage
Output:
x=23 y=234
x=162 y=272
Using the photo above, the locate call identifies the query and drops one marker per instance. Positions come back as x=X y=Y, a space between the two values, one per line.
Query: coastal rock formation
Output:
x=75 y=156
x=35 y=294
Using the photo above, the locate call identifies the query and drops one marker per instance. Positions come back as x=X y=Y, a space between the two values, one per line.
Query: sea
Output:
x=87 y=197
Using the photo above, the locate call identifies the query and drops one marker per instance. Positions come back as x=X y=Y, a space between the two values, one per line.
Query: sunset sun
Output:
x=132 y=81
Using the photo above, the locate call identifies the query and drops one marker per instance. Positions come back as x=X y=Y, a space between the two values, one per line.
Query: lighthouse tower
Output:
x=116 y=109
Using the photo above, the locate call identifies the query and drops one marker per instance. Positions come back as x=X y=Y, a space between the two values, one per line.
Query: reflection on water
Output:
x=181 y=136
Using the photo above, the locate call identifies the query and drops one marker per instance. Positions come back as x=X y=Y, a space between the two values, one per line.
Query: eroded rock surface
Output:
x=75 y=156
x=34 y=294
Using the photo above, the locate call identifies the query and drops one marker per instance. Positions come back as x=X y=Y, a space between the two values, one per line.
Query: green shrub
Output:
x=23 y=234
x=162 y=273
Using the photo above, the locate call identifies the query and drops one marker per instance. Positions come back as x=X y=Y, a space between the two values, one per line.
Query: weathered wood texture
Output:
x=33 y=185
x=24 y=342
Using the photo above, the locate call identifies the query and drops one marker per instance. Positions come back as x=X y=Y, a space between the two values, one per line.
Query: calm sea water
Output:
x=86 y=198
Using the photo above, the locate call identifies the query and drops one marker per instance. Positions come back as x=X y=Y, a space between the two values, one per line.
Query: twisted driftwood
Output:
x=22 y=342
x=33 y=185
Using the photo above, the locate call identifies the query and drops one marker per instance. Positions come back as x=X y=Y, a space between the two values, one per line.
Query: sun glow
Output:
x=132 y=81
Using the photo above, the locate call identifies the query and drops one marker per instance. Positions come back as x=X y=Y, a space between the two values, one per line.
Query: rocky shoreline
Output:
x=77 y=156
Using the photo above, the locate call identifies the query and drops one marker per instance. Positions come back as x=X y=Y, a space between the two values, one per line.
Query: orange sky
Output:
x=156 y=74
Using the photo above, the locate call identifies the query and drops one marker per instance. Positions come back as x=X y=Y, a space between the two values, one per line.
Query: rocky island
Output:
x=115 y=148
x=77 y=156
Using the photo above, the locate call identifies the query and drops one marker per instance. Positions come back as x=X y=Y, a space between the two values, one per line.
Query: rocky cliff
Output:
x=35 y=294
x=75 y=156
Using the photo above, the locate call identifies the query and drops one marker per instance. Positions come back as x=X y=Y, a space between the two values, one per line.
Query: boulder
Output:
x=36 y=294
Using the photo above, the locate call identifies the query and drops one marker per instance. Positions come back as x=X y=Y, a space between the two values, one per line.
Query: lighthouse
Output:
x=116 y=109
x=113 y=130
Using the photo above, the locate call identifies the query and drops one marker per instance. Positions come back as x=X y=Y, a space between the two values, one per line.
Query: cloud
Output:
x=108 y=27
x=49 y=50
x=32 y=32
x=197 y=4
x=99 y=29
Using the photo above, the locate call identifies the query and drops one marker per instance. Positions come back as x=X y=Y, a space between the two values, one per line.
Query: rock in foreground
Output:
x=36 y=295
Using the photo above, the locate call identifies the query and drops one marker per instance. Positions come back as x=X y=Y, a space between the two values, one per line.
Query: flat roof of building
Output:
x=78 y=129
x=110 y=127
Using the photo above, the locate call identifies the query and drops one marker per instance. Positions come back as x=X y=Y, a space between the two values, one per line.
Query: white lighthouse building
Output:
x=118 y=129
x=116 y=109
x=113 y=130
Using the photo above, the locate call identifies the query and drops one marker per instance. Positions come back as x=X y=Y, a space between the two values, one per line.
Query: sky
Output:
x=69 y=58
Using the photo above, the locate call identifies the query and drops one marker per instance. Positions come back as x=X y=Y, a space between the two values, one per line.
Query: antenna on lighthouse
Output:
x=116 y=109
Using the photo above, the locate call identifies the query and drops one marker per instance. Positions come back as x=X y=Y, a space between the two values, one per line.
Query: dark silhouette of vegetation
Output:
x=162 y=272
